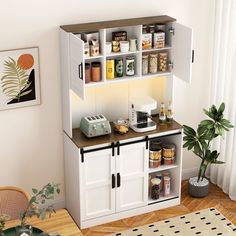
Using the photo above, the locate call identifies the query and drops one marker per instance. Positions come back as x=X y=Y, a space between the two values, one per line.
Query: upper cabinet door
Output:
x=77 y=68
x=182 y=52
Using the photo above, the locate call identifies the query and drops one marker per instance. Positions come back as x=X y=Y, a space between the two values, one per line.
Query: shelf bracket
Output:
x=171 y=65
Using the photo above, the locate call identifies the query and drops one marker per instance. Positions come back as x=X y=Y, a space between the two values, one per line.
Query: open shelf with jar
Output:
x=163 y=185
x=154 y=40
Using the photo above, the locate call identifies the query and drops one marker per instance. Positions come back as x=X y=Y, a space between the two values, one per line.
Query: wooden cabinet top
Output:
x=81 y=141
x=94 y=26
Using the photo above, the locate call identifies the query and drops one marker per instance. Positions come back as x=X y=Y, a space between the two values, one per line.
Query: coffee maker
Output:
x=140 y=114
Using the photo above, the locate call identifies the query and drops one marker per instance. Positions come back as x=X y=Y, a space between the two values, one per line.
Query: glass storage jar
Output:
x=162 y=61
x=153 y=63
x=145 y=64
x=155 y=188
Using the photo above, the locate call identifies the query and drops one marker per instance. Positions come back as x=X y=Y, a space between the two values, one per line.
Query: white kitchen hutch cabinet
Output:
x=107 y=178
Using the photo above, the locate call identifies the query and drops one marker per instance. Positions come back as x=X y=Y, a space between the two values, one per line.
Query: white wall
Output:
x=31 y=138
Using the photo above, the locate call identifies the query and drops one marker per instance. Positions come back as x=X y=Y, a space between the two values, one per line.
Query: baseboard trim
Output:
x=188 y=173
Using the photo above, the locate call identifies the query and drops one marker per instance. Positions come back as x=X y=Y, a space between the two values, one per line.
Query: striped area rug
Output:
x=208 y=222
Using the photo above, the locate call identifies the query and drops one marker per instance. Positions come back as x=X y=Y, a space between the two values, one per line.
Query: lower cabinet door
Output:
x=98 y=196
x=132 y=177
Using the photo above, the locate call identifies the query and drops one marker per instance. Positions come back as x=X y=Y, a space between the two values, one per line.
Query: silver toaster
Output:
x=96 y=125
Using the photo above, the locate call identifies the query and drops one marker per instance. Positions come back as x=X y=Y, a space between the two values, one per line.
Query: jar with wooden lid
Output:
x=162 y=61
x=96 y=71
x=155 y=188
x=144 y=64
x=153 y=63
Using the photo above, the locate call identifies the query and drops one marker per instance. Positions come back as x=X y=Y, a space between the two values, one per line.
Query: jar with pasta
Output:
x=153 y=63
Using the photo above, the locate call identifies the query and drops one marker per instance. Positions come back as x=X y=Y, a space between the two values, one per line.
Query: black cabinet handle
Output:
x=80 y=70
x=113 y=181
x=118 y=148
x=193 y=56
x=118 y=180
x=113 y=149
x=146 y=139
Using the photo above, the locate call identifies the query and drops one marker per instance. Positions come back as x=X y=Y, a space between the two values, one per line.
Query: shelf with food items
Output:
x=162 y=167
x=163 y=185
x=166 y=47
x=162 y=198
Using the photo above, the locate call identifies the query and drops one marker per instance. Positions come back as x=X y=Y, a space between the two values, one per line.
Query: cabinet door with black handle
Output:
x=98 y=184
x=132 y=177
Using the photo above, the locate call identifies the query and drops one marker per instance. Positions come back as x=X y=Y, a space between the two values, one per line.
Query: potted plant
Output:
x=35 y=207
x=200 y=140
x=3 y=219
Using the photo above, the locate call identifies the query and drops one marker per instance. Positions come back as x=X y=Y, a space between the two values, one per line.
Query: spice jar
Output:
x=87 y=73
x=130 y=66
x=162 y=61
x=155 y=188
x=166 y=185
x=153 y=63
x=145 y=64
x=96 y=71
x=110 y=69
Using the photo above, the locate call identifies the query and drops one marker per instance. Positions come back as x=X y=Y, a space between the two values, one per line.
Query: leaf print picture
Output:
x=19 y=78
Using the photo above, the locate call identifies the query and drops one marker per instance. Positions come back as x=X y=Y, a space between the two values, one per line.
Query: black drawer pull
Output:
x=118 y=148
x=80 y=70
x=113 y=181
x=118 y=180
x=113 y=149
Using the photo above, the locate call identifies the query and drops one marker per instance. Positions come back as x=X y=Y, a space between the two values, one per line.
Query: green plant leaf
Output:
x=221 y=108
x=34 y=190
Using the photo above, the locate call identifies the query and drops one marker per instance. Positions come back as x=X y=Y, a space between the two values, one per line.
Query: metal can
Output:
x=110 y=69
x=119 y=67
x=130 y=66
x=145 y=64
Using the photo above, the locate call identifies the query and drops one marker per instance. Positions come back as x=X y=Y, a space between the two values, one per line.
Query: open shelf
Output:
x=167 y=47
x=115 y=54
x=162 y=198
x=161 y=168
x=94 y=57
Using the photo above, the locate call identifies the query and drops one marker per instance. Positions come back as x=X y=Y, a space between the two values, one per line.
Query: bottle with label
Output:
x=162 y=114
x=169 y=115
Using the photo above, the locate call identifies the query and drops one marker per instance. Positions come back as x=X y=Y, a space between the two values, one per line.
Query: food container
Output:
x=166 y=185
x=87 y=73
x=162 y=61
x=168 y=150
x=159 y=176
x=119 y=36
x=130 y=66
x=155 y=154
x=133 y=45
x=94 y=50
x=159 y=36
x=124 y=46
x=121 y=126
x=119 y=67
x=96 y=71
x=153 y=63
x=145 y=64
x=146 y=41
x=169 y=161
x=86 y=50
x=155 y=188
x=108 y=47
x=110 y=68
x=115 y=46
x=154 y=163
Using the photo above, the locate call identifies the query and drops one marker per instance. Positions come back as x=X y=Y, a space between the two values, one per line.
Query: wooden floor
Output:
x=216 y=198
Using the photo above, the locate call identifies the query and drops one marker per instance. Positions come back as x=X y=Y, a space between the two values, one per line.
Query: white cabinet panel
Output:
x=132 y=167
x=77 y=68
x=182 y=44
x=98 y=194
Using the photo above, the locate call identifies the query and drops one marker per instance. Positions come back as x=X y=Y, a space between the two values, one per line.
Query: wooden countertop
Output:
x=93 y=26
x=61 y=222
x=81 y=141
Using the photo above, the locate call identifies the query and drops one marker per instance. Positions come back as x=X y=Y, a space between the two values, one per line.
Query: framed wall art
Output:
x=19 y=78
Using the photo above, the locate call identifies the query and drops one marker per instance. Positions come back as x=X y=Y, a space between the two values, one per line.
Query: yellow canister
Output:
x=110 y=69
